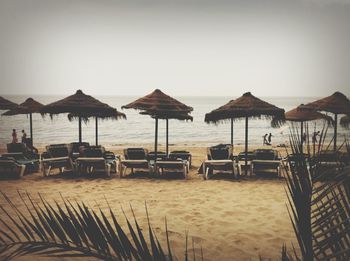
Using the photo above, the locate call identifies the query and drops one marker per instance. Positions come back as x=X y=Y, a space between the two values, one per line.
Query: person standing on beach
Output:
x=304 y=137
x=265 y=139
x=24 y=137
x=14 y=136
x=269 y=138
x=314 y=137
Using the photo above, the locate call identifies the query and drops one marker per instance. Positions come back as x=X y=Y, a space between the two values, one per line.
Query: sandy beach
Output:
x=230 y=219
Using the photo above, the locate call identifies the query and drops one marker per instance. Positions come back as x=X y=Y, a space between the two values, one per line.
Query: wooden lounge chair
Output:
x=328 y=163
x=266 y=161
x=135 y=158
x=57 y=156
x=22 y=155
x=220 y=158
x=160 y=155
x=9 y=166
x=181 y=166
x=96 y=159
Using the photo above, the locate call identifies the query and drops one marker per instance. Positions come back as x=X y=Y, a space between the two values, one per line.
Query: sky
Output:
x=183 y=47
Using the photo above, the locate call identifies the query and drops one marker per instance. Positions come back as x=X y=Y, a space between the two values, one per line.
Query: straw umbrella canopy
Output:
x=345 y=122
x=29 y=106
x=114 y=115
x=246 y=106
x=6 y=104
x=161 y=106
x=337 y=103
x=82 y=106
x=299 y=115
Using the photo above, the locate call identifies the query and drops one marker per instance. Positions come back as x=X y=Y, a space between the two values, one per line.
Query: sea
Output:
x=140 y=129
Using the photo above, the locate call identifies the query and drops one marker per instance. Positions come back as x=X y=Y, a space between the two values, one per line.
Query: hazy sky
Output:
x=184 y=47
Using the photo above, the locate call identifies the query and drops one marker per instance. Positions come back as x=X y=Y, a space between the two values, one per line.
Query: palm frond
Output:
x=319 y=208
x=73 y=230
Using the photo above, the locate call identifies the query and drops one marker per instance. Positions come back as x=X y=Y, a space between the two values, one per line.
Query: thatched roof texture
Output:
x=300 y=115
x=246 y=106
x=337 y=103
x=81 y=105
x=6 y=104
x=159 y=105
x=29 y=106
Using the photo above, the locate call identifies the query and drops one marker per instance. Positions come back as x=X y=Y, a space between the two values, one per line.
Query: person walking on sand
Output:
x=14 y=136
x=265 y=139
x=269 y=138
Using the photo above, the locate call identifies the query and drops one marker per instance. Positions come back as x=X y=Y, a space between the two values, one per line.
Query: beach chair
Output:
x=327 y=164
x=96 y=159
x=22 y=155
x=135 y=158
x=160 y=155
x=220 y=158
x=76 y=148
x=241 y=161
x=266 y=161
x=181 y=154
x=163 y=166
x=9 y=166
x=57 y=156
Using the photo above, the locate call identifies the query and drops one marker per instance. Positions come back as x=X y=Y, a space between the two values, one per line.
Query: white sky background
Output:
x=183 y=47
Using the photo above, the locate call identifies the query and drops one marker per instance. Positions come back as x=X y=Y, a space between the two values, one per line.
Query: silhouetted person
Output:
x=304 y=137
x=265 y=139
x=314 y=137
x=269 y=138
x=24 y=137
x=14 y=136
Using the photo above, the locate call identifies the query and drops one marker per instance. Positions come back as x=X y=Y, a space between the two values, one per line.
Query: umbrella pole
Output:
x=79 y=129
x=96 y=130
x=232 y=133
x=335 y=132
x=31 y=127
x=246 y=146
x=156 y=142
x=167 y=137
x=301 y=136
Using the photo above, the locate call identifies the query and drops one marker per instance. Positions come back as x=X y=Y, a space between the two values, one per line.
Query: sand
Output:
x=230 y=219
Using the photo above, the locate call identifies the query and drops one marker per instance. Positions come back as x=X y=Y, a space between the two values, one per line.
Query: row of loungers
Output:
x=221 y=158
x=83 y=158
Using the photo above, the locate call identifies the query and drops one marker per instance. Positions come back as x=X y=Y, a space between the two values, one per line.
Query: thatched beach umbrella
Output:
x=299 y=115
x=247 y=106
x=161 y=106
x=114 y=115
x=29 y=106
x=345 y=122
x=6 y=104
x=337 y=103
x=82 y=106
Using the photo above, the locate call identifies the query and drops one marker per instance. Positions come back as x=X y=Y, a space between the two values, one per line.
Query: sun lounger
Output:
x=76 y=147
x=327 y=163
x=241 y=161
x=135 y=158
x=9 y=166
x=181 y=154
x=22 y=155
x=57 y=156
x=220 y=158
x=160 y=155
x=181 y=166
x=266 y=161
x=95 y=159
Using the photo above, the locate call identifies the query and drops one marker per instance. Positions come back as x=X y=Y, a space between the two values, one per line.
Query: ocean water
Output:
x=139 y=129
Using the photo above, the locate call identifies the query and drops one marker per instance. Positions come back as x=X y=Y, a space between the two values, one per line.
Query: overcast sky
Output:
x=183 y=47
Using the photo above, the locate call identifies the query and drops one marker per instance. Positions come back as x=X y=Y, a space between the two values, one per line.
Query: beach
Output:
x=229 y=219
